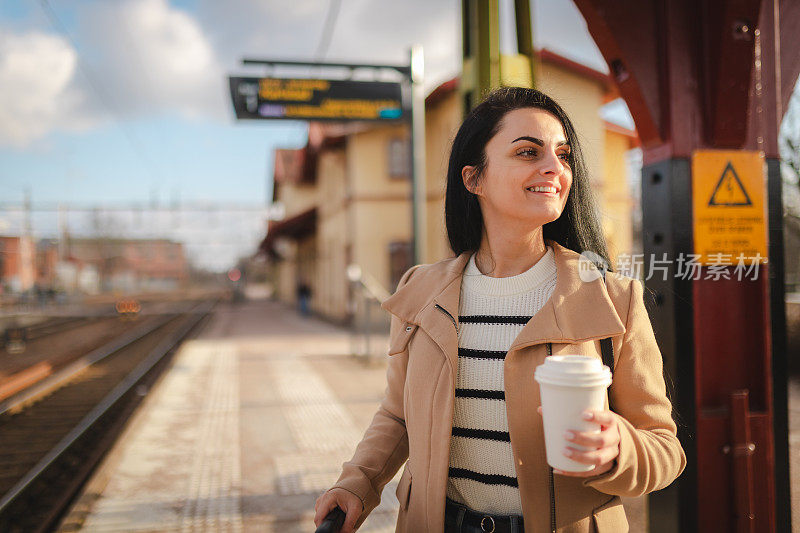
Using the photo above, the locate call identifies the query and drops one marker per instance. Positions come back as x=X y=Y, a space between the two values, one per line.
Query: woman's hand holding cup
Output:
x=603 y=446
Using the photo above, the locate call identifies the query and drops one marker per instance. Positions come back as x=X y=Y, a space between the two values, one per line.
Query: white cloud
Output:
x=35 y=74
x=151 y=58
x=148 y=58
x=142 y=58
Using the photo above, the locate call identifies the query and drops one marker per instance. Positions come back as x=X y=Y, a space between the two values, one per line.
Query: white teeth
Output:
x=542 y=189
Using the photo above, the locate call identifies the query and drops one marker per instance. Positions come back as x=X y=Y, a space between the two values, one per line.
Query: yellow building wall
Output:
x=368 y=162
x=299 y=264
x=378 y=223
x=297 y=197
x=443 y=119
x=333 y=237
x=616 y=218
x=287 y=277
x=362 y=208
x=380 y=206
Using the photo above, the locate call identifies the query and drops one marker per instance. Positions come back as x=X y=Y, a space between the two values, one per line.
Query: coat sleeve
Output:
x=650 y=454
x=384 y=446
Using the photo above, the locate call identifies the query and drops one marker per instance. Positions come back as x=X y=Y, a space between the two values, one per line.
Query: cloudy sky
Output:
x=113 y=101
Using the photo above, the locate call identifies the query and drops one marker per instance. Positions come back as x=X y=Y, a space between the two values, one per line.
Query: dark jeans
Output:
x=461 y=519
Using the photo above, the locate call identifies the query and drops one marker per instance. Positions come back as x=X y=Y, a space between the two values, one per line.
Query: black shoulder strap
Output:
x=607 y=351
x=606 y=347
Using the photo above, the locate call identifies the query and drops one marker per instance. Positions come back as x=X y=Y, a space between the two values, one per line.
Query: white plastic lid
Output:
x=573 y=371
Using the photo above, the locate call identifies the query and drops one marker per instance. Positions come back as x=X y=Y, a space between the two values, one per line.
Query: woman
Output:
x=468 y=332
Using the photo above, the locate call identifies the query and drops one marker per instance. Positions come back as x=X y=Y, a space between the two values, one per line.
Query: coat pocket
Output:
x=610 y=517
x=404 y=488
x=399 y=342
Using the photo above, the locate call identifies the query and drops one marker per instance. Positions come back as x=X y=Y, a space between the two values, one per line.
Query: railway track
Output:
x=52 y=436
x=57 y=325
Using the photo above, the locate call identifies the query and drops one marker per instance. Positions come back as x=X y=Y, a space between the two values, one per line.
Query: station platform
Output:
x=247 y=427
x=252 y=422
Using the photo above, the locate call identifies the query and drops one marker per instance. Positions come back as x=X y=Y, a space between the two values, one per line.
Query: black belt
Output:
x=488 y=523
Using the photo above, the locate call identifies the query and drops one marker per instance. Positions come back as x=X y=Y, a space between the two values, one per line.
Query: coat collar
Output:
x=577 y=310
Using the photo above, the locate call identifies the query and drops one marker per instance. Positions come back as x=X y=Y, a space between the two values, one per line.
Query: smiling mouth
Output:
x=551 y=191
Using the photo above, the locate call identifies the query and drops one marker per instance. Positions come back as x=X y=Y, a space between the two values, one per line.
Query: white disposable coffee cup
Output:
x=568 y=386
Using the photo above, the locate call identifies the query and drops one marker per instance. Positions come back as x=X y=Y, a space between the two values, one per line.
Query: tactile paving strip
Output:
x=318 y=422
x=214 y=499
x=180 y=469
x=325 y=436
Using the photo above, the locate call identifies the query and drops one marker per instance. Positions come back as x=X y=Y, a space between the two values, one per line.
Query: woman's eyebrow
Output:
x=531 y=139
x=537 y=141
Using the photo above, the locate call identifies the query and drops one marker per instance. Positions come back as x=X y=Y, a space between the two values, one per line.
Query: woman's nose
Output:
x=550 y=163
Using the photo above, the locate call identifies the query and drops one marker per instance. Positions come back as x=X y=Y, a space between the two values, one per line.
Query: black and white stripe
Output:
x=487 y=479
x=488 y=434
x=494 y=319
x=481 y=354
x=492 y=312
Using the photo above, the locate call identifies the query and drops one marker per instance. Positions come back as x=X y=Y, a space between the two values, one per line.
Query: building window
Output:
x=399 y=157
x=399 y=261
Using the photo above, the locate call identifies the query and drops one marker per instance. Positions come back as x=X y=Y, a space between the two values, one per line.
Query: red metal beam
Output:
x=789 y=15
x=688 y=70
x=726 y=62
x=619 y=28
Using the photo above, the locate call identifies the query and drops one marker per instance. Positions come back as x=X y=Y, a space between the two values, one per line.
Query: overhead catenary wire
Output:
x=327 y=30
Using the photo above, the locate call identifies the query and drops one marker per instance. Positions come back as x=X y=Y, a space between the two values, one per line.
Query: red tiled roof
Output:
x=296 y=226
x=442 y=90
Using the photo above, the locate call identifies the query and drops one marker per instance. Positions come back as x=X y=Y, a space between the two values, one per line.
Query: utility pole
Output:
x=419 y=181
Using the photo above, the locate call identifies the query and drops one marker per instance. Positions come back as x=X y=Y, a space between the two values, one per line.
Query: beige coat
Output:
x=414 y=420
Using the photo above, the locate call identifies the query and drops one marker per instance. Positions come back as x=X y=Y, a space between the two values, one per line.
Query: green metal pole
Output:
x=522 y=11
x=481 y=49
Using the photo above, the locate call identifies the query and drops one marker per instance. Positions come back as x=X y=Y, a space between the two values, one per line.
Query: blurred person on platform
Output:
x=303 y=298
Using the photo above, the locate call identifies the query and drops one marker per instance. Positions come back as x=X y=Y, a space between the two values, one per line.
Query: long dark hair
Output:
x=577 y=228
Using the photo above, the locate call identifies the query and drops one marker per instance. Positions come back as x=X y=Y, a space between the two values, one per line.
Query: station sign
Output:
x=729 y=207
x=315 y=99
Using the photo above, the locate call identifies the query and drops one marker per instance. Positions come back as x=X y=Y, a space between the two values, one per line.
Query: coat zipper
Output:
x=550 y=471
x=445 y=311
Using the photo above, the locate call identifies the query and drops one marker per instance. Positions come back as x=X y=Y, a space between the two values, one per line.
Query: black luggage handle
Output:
x=332 y=523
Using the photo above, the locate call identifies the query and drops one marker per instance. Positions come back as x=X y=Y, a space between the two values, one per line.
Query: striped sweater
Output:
x=492 y=312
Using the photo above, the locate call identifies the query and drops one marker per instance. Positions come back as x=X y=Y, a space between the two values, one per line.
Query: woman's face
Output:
x=529 y=150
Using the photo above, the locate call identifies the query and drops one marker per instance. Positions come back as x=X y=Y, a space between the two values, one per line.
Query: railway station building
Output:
x=347 y=192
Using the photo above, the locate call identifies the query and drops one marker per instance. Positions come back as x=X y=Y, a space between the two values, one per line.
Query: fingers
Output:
x=604 y=439
x=604 y=418
x=346 y=501
x=324 y=505
x=601 y=448
x=353 y=512
x=592 y=457
x=593 y=472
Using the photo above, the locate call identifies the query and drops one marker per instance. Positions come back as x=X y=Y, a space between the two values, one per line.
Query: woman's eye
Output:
x=527 y=152
x=564 y=156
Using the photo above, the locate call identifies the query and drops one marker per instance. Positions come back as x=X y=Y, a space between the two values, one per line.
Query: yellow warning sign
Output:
x=729 y=201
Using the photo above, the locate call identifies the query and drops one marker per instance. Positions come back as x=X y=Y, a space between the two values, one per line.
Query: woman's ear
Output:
x=469 y=177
